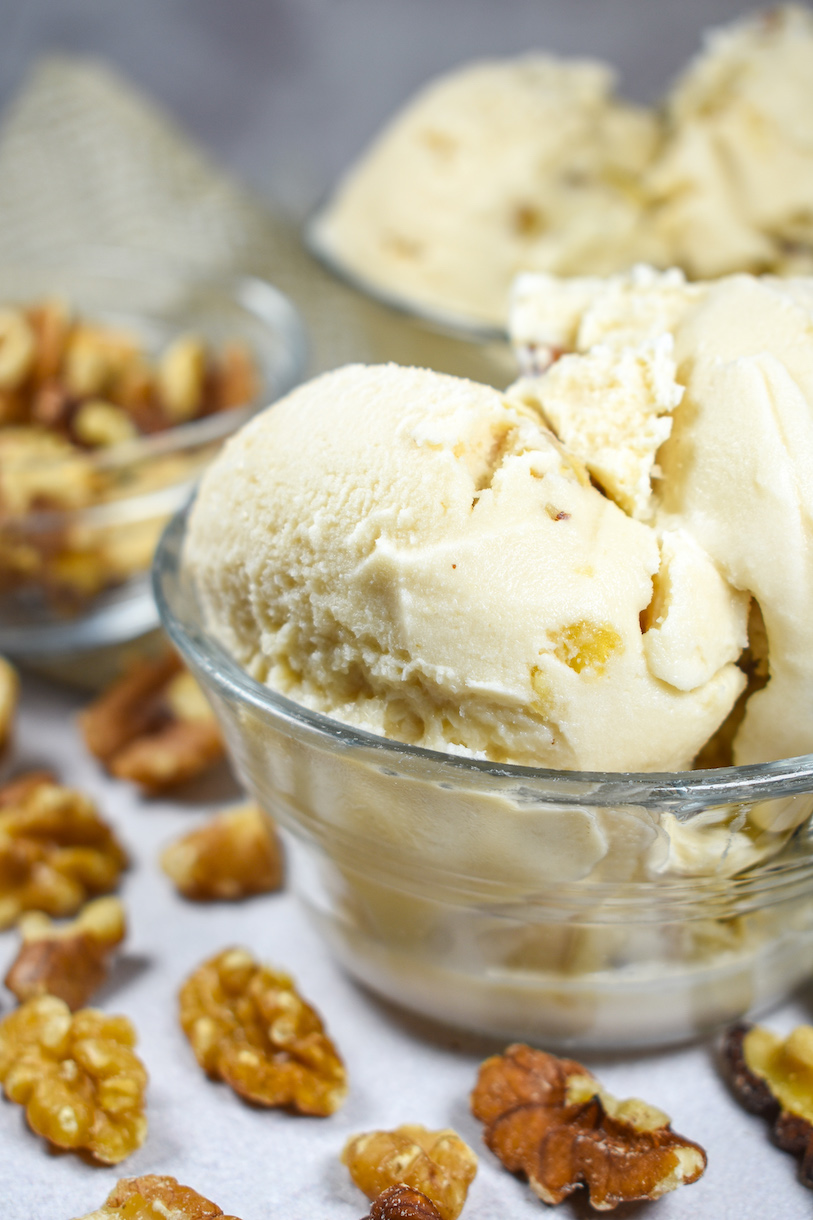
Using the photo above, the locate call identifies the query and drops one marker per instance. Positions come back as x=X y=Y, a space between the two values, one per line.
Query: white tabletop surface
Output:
x=267 y=1165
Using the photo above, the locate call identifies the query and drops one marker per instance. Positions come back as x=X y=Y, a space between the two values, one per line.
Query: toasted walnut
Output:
x=181 y=378
x=153 y=1197
x=437 y=1163
x=233 y=855
x=773 y=1077
x=17 y=349
x=77 y=1075
x=550 y=1119
x=403 y=1203
x=55 y=849
x=153 y=726
x=9 y=694
x=248 y=1026
x=235 y=380
x=70 y=961
x=98 y=423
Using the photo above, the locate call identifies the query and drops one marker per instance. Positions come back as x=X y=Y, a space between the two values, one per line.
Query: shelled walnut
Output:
x=71 y=961
x=437 y=1163
x=248 y=1026
x=153 y=726
x=77 y=1075
x=155 y=1197
x=233 y=855
x=550 y=1119
x=9 y=694
x=773 y=1077
x=403 y=1203
x=55 y=849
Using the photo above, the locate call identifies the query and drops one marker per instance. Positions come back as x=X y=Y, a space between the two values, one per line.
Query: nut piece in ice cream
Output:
x=153 y=726
x=734 y=473
x=734 y=181
x=70 y=961
x=437 y=1163
x=155 y=1197
x=403 y=1203
x=233 y=855
x=773 y=1077
x=499 y=167
x=248 y=1025
x=77 y=1075
x=55 y=849
x=9 y=694
x=321 y=569
x=550 y=1119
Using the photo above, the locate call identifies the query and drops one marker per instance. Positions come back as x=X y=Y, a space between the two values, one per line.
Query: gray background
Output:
x=284 y=92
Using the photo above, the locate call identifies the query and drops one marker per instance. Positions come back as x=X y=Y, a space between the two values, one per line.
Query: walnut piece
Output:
x=9 y=695
x=773 y=1077
x=550 y=1119
x=248 y=1026
x=233 y=855
x=55 y=849
x=154 y=1197
x=402 y=1203
x=69 y=961
x=437 y=1163
x=153 y=726
x=77 y=1075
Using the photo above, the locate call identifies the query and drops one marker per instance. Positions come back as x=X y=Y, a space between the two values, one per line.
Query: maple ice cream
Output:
x=419 y=556
x=536 y=164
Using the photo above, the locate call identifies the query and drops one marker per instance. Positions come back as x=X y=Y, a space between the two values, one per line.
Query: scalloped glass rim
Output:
x=682 y=792
x=448 y=322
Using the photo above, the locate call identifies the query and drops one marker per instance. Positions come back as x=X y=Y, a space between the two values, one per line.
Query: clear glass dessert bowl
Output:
x=77 y=533
x=565 y=908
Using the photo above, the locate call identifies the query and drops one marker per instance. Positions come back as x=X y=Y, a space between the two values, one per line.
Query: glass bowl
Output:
x=76 y=579
x=573 y=909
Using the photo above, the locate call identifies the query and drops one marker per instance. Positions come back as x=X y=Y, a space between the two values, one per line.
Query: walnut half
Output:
x=155 y=1197
x=402 y=1203
x=69 y=961
x=550 y=1119
x=248 y=1026
x=153 y=726
x=773 y=1077
x=55 y=849
x=437 y=1163
x=77 y=1075
x=233 y=855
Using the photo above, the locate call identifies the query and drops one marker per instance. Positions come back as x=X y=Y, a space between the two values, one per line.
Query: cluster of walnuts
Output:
x=75 y=1071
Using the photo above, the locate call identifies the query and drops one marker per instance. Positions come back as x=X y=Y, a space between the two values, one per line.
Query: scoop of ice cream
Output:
x=417 y=555
x=502 y=166
x=736 y=471
x=734 y=184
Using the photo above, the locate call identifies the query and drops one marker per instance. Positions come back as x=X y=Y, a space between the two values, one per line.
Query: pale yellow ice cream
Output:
x=733 y=188
x=417 y=555
x=535 y=164
x=734 y=468
x=531 y=163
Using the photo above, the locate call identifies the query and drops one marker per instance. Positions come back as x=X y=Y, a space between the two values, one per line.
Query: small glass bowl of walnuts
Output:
x=121 y=374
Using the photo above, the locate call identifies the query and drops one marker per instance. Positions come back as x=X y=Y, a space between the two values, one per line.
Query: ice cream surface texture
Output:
x=535 y=164
x=419 y=556
x=735 y=469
